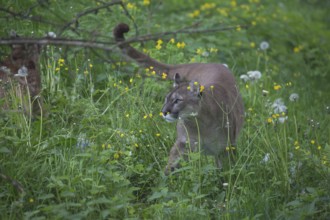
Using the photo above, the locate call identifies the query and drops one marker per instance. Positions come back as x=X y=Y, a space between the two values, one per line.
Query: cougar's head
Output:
x=183 y=101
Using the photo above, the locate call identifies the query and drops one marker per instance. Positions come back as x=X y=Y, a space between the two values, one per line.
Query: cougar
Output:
x=205 y=102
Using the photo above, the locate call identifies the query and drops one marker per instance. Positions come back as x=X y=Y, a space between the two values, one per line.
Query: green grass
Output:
x=99 y=148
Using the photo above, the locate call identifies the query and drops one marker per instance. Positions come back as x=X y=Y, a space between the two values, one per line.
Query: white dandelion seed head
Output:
x=22 y=72
x=265 y=92
x=266 y=158
x=254 y=75
x=282 y=119
x=205 y=54
x=5 y=70
x=244 y=77
x=51 y=34
x=294 y=97
x=264 y=45
x=278 y=106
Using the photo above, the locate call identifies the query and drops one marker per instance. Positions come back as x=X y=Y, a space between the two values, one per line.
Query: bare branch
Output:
x=109 y=46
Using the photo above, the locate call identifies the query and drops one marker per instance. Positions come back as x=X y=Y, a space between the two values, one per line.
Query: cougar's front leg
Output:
x=176 y=152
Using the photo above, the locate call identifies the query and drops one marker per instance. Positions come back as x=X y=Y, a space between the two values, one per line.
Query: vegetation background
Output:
x=99 y=148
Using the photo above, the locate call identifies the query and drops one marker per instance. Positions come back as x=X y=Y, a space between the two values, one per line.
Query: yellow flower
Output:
x=252 y=44
x=158 y=134
x=277 y=87
x=297 y=147
x=103 y=146
x=194 y=14
x=130 y=6
x=319 y=147
x=227 y=148
x=188 y=88
x=164 y=75
x=212 y=87
x=158 y=47
x=201 y=88
x=180 y=45
x=199 y=51
x=172 y=41
x=247 y=86
x=269 y=120
x=116 y=155
x=312 y=142
x=161 y=114
x=195 y=83
x=159 y=42
x=31 y=200
x=146 y=2
x=145 y=117
x=90 y=65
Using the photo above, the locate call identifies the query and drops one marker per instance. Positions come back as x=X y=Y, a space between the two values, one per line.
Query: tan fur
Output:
x=25 y=90
x=210 y=119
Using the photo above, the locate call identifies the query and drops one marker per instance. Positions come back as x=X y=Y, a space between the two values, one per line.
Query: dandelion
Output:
x=282 y=119
x=22 y=72
x=277 y=87
x=278 y=106
x=244 y=77
x=269 y=120
x=116 y=155
x=158 y=135
x=146 y=2
x=194 y=14
x=266 y=158
x=265 y=92
x=312 y=141
x=254 y=75
x=294 y=97
x=164 y=75
x=264 y=45
x=180 y=45
x=51 y=34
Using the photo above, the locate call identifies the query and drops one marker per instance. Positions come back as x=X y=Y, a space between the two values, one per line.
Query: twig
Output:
x=88 y=11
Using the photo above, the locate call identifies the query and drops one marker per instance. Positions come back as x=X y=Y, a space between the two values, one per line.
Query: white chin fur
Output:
x=169 y=118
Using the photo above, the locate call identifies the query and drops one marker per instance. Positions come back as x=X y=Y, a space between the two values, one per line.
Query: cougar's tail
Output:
x=141 y=58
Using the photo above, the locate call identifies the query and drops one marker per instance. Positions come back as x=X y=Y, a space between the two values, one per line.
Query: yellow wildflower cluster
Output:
x=208 y=6
x=180 y=45
x=296 y=145
x=159 y=44
x=194 y=14
x=104 y=146
x=230 y=148
x=150 y=71
x=164 y=75
x=150 y=115
x=131 y=6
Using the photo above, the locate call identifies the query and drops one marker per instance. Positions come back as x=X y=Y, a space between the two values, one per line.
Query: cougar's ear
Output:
x=195 y=88
x=177 y=80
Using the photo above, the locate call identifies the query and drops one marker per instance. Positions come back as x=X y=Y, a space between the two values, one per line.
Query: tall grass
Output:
x=99 y=147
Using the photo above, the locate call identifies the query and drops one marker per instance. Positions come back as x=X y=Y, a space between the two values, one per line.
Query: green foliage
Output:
x=99 y=147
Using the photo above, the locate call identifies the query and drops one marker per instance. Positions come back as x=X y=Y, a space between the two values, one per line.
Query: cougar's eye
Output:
x=175 y=101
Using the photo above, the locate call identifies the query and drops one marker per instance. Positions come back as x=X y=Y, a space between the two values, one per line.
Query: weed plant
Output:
x=99 y=147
